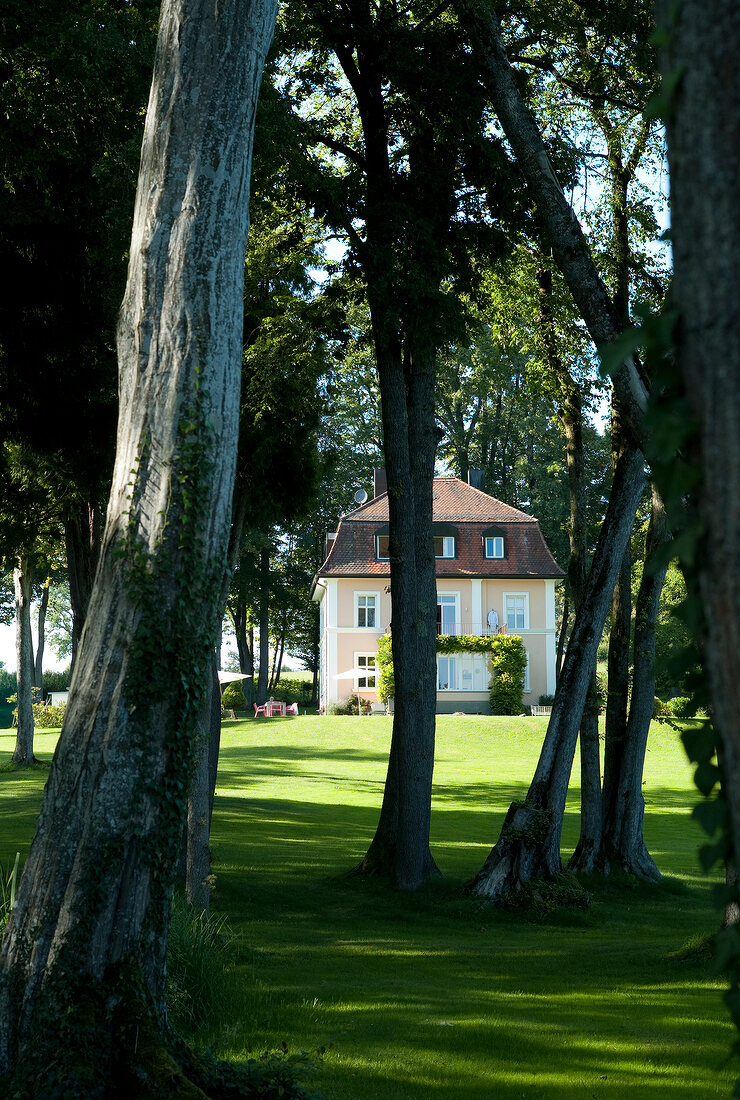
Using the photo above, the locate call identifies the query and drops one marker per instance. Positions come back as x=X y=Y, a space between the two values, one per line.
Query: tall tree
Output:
x=90 y=923
x=700 y=49
x=529 y=845
x=408 y=152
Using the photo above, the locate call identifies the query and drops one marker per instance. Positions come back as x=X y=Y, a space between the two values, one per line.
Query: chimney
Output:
x=330 y=536
x=476 y=479
x=380 y=482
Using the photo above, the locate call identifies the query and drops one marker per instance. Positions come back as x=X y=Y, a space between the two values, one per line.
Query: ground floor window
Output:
x=366 y=661
x=462 y=672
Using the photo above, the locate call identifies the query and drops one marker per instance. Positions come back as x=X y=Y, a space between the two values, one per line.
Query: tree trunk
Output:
x=562 y=636
x=23 y=584
x=200 y=803
x=264 y=626
x=618 y=661
x=38 y=664
x=400 y=847
x=589 y=840
x=623 y=842
x=571 y=419
x=529 y=844
x=402 y=322
x=704 y=157
x=82 y=532
x=87 y=939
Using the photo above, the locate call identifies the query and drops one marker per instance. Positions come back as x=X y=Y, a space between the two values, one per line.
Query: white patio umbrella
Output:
x=227 y=677
x=355 y=674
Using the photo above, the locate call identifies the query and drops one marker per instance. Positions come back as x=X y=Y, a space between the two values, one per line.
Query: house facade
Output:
x=494 y=574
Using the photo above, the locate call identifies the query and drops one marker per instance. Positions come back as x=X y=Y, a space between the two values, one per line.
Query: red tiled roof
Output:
x=352 y=553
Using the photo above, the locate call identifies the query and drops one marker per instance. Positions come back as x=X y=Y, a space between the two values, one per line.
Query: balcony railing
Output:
x=478 y=629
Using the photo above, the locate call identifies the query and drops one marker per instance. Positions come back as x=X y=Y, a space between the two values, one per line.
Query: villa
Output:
x=494 y=574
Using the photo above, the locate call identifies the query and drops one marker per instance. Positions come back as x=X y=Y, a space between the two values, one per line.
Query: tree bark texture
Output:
x=402 y=323
x=571 y=420
x=618 y=660
x=529 y=844
x=93 y=906
x=623 y=844
x=38 y=661
x=23 y=585
x=700 y=66
x=82 y=535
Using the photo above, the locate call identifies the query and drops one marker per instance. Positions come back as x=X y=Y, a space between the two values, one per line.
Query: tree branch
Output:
x=570 y=248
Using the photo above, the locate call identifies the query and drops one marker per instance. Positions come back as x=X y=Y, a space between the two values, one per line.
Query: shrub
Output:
x=509 y=661
x=350 y=706
x=384 y=666
x=682 y=706
x=48 y=717
x=233 y=696
x=56 y=681
x=293 y=690
x=661 y=710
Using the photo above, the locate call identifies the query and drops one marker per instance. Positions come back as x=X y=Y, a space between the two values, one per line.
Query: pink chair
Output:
x=292 y=708
x=259 y=710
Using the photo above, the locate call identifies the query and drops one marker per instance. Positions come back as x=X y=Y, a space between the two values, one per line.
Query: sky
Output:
x=7 y=651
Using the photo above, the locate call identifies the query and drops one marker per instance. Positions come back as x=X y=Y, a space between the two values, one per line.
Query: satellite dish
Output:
x=360 y=496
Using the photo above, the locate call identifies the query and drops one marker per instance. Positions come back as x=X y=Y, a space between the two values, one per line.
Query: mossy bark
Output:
x=97 y=885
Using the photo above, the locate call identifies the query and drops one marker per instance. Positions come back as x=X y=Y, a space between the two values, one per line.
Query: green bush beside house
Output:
x=507 y=657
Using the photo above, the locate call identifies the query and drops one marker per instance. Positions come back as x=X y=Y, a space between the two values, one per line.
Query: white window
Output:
x=366 y=610
x=444 y=546
x=516 y=610
x=495 y=546
x=474 y=674
x=366 y=660
x=446 y=673
x=447 y=612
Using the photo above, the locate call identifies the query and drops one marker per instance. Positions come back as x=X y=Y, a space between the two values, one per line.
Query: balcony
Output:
x=477 y=629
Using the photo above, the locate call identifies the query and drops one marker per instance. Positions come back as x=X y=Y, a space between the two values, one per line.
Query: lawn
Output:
x=432 y=995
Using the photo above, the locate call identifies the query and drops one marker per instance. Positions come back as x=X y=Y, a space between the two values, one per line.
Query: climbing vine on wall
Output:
x=507 y=657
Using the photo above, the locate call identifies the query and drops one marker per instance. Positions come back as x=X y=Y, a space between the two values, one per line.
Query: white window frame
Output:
x=451 y=658
x=516 y=596
x=456 y=597
x=496 y=543
x=375 y=596
x=362 y=660
x=378 y=555
x=448 y=546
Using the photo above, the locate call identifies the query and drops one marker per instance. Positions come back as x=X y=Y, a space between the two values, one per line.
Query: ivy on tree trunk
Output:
x=82 y=963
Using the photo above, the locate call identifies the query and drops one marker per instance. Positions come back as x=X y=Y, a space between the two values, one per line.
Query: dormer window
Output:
x=445 y=540
x=444 y=546
x=494 y=545
x=382 y=551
